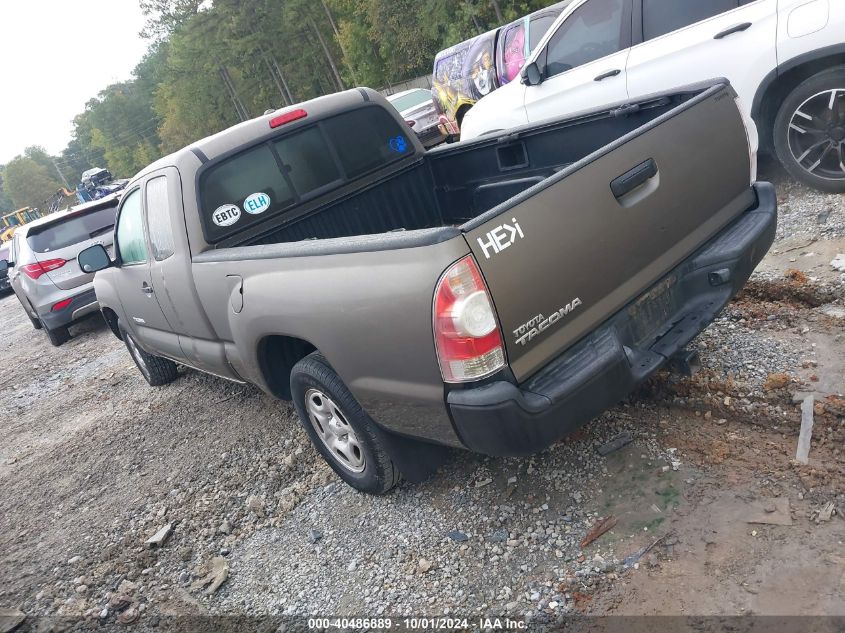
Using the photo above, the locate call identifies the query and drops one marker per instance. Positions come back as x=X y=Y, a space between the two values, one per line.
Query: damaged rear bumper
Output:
x=502 y=418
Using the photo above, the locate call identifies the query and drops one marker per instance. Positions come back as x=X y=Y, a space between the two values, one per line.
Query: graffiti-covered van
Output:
x=466 y=72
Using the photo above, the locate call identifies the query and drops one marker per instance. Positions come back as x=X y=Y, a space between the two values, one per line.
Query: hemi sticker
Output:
x=257 y=203
x=226 y=215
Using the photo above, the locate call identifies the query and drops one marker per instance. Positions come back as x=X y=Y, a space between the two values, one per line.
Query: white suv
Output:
x=785 y=59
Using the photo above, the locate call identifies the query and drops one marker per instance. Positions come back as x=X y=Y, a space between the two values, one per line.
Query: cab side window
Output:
x=130 y=230
x=594 y=30
x=664 y=16
x=158 y=218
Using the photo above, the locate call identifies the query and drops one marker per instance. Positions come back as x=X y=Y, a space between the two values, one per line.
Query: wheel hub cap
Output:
x=334 y=430
x=817 y=135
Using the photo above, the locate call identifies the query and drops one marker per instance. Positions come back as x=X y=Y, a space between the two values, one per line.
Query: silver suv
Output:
x=43 y=270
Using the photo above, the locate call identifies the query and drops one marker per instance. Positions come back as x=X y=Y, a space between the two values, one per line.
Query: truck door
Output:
x=583 y=63
x=145 y=318
x=685 y=42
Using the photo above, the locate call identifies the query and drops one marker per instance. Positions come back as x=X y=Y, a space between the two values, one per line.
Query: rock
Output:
x=81 y=588
x=225 y=527
x=119 y=602
x=158 y=539
x=184 y=577
x=74 y=560
x=126 y=587
x=622 y=439
x=129 y=616
x=186 y=554
x=424 y=566
x=483 y=482
x=499 y=536
x=352 y=566
x=10 y=619
x=838 y=263
x=215 y=577
x=256 y=505
x=104 y=613
x=826 y=512
x=460 y=537
x=314 y=535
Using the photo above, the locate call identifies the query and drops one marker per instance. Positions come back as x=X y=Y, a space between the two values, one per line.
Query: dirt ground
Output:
x=713 y=515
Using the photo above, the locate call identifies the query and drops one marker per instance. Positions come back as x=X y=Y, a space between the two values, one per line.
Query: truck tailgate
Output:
x=565 y=255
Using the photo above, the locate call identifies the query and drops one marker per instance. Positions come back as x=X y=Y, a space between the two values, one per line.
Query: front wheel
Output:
x=339 y=428
x=809 y=133
x=156 y=370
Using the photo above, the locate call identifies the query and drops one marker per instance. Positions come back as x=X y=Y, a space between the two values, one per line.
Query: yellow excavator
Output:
x=11 y=221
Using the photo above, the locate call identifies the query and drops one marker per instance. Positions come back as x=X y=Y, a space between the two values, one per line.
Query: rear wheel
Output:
x=809 y=134
x=36 y=323
x=339 y=428
x=156 y=370
x=58 y=336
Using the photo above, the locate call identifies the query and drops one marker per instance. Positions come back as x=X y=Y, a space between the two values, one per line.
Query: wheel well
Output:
x=774 y=94
x=276 y=357
x=111 y=320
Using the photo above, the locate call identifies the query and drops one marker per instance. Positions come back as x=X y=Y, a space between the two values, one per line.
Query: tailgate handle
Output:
x=739 y=28
x=632 y=179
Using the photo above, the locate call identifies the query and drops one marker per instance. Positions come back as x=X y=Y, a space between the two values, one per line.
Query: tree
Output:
x=166 y=16
x=28 y=183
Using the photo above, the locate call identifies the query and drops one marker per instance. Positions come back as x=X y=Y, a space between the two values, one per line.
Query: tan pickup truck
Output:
x=491 y=295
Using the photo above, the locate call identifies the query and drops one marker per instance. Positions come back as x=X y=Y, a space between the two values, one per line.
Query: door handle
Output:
x=739 y=28
x=608 y=74
x=633 y=178
x=146 y=288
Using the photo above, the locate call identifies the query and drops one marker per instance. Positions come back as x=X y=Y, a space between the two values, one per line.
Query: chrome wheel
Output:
x=136 y=355
x=334 y=430
x=817 y=135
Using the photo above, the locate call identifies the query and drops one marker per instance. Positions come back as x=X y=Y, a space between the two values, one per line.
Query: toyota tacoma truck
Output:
x=492 y=295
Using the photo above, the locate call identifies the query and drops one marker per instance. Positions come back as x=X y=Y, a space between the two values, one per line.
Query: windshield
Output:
x=72 y=229
x=410 y=100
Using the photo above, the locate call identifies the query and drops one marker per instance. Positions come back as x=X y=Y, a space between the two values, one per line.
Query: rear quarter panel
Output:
x=369 y=313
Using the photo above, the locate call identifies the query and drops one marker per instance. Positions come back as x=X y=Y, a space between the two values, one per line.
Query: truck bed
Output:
x=454 y=184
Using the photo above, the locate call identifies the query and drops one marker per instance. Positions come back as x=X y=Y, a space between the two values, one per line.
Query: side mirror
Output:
x=4 y=265
x=531 y=75
x=93 y=258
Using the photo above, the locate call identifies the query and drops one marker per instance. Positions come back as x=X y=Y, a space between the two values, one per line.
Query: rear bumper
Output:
x=502 y=418
x=81 y=305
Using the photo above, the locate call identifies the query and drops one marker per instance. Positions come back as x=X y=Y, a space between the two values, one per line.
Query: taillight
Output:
x=466 y=332
x=61 y=305
x=34 y=271
x=411 y=123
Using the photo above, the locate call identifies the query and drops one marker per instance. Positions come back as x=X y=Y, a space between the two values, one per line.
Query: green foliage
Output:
x=213 y=63
x=28 y=182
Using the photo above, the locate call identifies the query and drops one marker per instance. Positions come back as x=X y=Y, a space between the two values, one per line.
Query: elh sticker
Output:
x=257 y=203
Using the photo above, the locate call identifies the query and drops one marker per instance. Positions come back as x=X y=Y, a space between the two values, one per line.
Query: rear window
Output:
x=273 y=177
x=72 y=229
x=411 y=100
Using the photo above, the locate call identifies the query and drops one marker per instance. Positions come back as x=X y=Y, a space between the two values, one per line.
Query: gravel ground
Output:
x=94 y=462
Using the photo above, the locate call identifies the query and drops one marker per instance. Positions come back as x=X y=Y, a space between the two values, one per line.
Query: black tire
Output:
x=313 y=377
x=36 y=323
x=57 y=337
x=156 y=370
x=823 y=128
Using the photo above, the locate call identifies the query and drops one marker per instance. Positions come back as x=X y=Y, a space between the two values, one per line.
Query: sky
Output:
x=55 y=55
